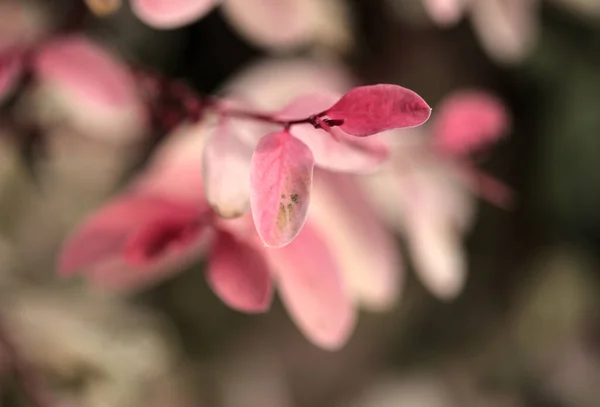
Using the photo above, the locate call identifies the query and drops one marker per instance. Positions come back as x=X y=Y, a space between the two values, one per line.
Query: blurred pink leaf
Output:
x=469 y=120
x=278 y=24
x=280 y=183
x=367 y=253
x=239 y=274
x=271 y=83
x=87 y=70
x=10 y=70
x=369 y=110
x=337 y=151
x=432 y=213
x=169 y=14
x=171 y=232
x=445 y=12
x=439 y=259
x=350 y=154
x=175 y=169
x=507 y=29
x=151 y=231
x=92 y=91
x=306 y=105
x=226 y=170
x=106 y=233
x=312 y=289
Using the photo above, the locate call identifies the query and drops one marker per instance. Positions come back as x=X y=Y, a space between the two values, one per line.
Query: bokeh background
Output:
x=524 y=332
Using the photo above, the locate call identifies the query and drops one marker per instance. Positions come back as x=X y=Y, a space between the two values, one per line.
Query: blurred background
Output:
x=525 y=331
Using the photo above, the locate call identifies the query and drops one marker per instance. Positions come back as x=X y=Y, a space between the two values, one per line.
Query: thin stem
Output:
x=266 y=118
x=175 y=101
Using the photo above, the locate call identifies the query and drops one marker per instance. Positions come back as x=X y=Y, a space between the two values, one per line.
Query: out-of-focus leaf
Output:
x=239 y=274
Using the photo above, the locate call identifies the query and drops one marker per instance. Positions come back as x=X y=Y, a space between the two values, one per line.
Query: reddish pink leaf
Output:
x=104 y=235
x=337 y=151
x=87 y=71
x=369 y=110
x=226 y=171
x=123 y=276
x=468 y=121
x=160 y=236
x=366 y=252
x=312 y=289
x=239 y=274
x=280 y=183
x=167 y=14
x=135 y=241
x=10 y=69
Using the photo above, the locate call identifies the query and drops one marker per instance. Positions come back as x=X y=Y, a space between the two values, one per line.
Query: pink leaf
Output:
x=349 y=154
x=271 y=83
x=507 y=29
x=10 y=70
x=369 y=110
x=226 y=171
x=168 y=14
x=239 y=274
x=468 y=121
x=125 y=275
x=86 y=70
x=90 y=89
x=280 y=183
x=311 y=287
x=365 y=250
x=445 y=12
x=278 y=24
x=337 y=151
x=435 y=211
x=439 y=258
x=306 y=105
x=175 y=169
x=135 y=241
x=104 y=235
x=245 y=129
x=161 y=236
